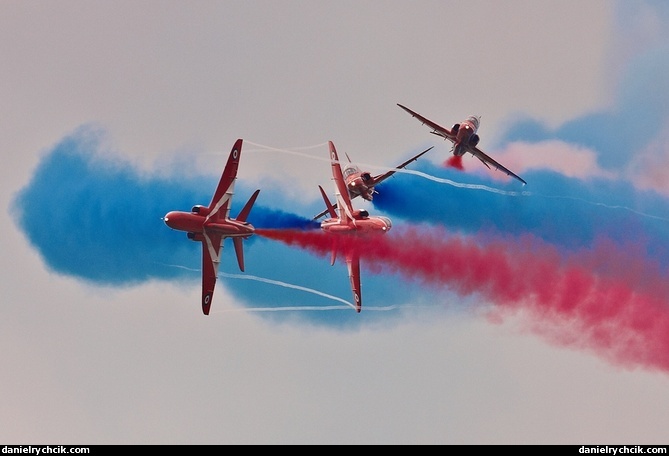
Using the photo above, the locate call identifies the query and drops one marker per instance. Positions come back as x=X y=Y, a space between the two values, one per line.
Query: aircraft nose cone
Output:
x=168 y=221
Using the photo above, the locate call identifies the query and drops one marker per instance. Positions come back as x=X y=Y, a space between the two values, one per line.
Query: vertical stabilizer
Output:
x=244 y=213
x=343 y=198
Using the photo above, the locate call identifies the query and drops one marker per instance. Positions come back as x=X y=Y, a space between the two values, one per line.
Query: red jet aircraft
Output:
x=464 y=138
x=362 y=183
x=349 y=221
x=212 y=224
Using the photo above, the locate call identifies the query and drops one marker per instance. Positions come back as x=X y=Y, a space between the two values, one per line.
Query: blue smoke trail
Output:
x=641 y=111
x=100 y=220
x=568 y=212
x=565 y=211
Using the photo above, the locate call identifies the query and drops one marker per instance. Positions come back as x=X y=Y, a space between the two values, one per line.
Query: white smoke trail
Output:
x=462 y=185
x=398 y=170
x=299 y=308
x=317 y=308
x=458 y=184
x=274 y=282
x=608 y=206
x=512 y=193
x=454 y=183
x=286 y=285
x=180 y=267
x=292 y=150
x=296 y=287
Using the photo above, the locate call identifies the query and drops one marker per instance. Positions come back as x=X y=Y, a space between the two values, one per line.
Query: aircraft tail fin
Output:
x=239 y=251
x=333 y=251
x=244 y=213
x=341 y=191
x=238 y=242
x=328 y=204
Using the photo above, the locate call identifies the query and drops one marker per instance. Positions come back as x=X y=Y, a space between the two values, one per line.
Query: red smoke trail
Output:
x=455 y=161
x=578 y=300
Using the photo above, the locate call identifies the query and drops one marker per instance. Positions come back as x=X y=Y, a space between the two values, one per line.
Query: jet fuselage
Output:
x=359 y=183
x=196 y=223
x=358 y=226
x=463 y=137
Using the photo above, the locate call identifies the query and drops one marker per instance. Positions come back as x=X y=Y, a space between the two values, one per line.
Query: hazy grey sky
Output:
x=178 y=82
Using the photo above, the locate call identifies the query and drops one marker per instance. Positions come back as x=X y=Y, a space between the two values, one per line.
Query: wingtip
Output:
x=206 y=302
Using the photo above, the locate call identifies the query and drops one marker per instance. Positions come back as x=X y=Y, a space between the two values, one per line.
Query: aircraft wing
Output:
x=478 y=153
x=353 y=264
x=381 y=177
x=219 y=208
x=322 y=213
x=329 y=207
x=488 y=161
x=212 y=244
x=436 y=128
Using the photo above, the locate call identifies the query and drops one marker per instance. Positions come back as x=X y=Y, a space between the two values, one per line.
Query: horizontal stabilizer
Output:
x=238 y=242
x=244 y=213
x=328 y=204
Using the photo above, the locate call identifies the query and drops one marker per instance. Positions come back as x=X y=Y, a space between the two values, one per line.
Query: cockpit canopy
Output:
x=360 y=214
x=475 y=120
x=350 y=169
x=199 y=209
x=387 y=220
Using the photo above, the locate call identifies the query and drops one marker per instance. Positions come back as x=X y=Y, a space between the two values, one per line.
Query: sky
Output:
x=493 y=313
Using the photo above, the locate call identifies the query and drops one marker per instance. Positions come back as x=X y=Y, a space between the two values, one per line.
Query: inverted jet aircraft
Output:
x=362 y=183
x=465 y=138
x=211 y=224
x=348 y=221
